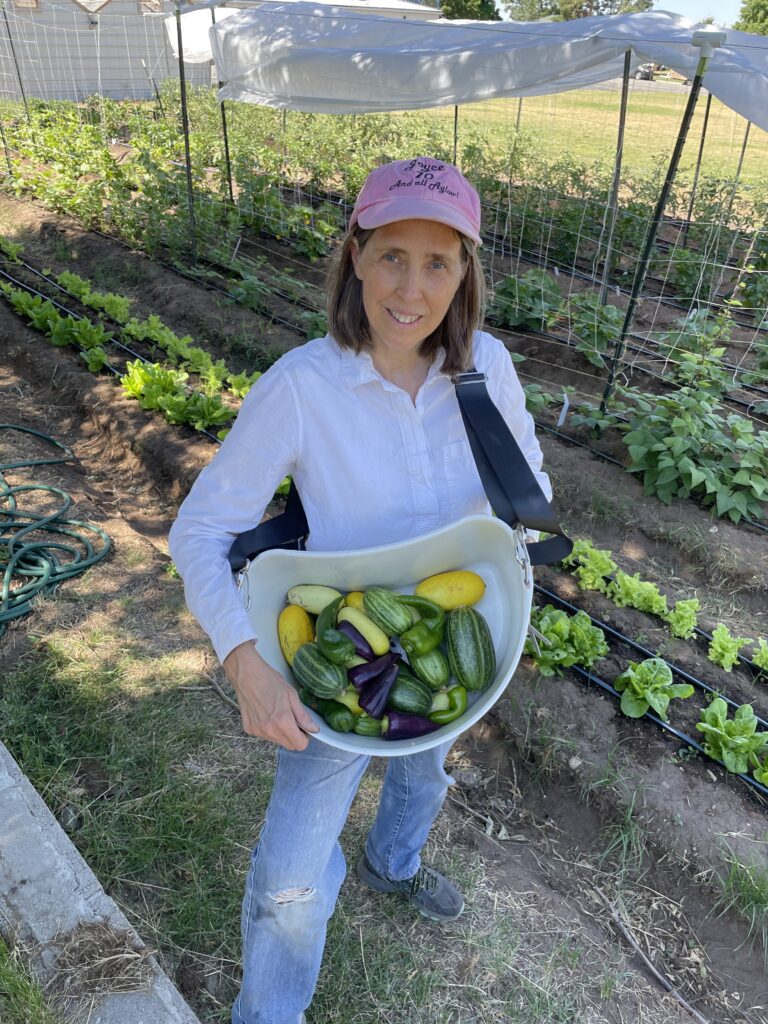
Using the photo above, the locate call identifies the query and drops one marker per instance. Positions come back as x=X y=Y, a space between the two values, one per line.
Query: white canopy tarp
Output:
x=195 y=25
x=310 y=57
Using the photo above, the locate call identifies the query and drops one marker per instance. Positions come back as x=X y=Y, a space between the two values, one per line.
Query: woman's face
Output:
x=410 y=272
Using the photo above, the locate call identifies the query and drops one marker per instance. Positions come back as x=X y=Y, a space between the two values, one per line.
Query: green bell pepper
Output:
x=457 y=705
x=335 y=645
x=425 y=635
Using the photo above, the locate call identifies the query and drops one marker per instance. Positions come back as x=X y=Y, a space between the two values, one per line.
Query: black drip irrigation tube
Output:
x=196 y=279
x=609 y=458
x=698 y=683
x=589 y=677
x=76 y=316
x=641 y=369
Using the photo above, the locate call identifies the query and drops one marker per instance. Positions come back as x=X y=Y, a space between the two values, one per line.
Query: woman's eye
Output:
x=438 y=265
x=390 y=257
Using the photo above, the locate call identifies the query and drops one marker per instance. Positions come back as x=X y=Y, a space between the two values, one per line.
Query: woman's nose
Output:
x=411 y=284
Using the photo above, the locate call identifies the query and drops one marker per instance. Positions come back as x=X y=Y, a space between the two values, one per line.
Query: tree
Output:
x=753 y=17
x=568 y=10
x=474 y=10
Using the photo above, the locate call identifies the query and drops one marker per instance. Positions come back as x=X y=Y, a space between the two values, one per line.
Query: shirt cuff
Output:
x=229 y=635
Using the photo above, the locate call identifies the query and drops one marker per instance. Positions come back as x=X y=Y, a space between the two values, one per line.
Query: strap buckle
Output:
x=470 y=377
x=242 y=584
x=521 y=554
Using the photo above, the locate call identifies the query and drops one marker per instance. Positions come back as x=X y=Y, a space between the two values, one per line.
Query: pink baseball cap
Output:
x=423 y=189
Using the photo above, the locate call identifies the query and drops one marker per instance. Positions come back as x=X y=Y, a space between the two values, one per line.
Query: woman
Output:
x=367 y=422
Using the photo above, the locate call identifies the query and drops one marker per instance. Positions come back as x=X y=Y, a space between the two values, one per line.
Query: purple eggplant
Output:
x=361 y=675
x=398 y=725
x=362 y=648
x=375 y=694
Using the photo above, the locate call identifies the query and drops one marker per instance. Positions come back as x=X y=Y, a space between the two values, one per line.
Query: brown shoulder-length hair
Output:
x=348 y=323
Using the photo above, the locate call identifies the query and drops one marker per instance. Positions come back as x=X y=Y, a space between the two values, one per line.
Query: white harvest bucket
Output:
x=483 y=544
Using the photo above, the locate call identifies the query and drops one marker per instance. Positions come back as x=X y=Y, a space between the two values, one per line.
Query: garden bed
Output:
x=559 y=798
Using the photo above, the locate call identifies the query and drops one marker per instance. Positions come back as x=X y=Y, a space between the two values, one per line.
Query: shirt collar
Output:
x=356 y=370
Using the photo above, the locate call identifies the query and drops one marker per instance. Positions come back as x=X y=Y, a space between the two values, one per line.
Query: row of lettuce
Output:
x=648 y=686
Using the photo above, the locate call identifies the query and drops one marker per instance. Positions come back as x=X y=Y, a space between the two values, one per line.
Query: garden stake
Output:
x=706 y=40
x=689 y=214
x=7 y=152
x=185 y=130
x=613 y=201
x=153 y=83
x=227 y=162
x=16 y=63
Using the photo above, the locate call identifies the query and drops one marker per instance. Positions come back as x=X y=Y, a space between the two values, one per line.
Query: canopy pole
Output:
x=706 y=39
x=455 y=132
x=613 y=201
x=694 y=186
x=185 y=130
x=225 y=134
x=16 y=63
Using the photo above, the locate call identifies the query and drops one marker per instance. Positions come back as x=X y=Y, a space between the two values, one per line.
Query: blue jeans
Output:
x=298 y=867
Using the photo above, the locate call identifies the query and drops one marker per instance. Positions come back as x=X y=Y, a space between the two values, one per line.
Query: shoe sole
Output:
x=381 y=885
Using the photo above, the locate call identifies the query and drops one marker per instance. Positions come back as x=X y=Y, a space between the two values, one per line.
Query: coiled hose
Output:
x=61 y=547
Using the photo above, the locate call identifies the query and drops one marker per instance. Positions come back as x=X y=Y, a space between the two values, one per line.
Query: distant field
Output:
x=583 y=124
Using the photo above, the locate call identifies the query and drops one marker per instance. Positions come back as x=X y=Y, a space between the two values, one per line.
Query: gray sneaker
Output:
x=428 y=891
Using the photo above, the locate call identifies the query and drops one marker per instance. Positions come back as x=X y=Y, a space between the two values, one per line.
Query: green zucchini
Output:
x=320 y=676
x=383 y=607
x=410 y=694
x=432 y=668
x=366 y=726
x=471 y=656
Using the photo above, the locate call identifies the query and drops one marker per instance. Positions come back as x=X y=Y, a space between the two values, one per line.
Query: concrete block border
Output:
x=49 y=897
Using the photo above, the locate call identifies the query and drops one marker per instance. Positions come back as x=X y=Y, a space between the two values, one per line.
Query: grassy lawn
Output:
x=582 y=124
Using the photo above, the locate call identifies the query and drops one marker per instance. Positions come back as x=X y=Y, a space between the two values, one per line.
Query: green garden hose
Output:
x=29 y=567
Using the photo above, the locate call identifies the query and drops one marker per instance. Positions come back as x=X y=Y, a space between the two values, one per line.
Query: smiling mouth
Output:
x=403 y=318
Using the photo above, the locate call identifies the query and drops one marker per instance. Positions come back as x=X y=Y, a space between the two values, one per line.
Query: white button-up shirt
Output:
x=372 y=466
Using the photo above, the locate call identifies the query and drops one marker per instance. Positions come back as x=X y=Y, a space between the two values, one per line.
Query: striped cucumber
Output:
x=471 y=656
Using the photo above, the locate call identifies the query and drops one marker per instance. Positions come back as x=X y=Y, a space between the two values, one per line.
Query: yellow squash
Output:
x=294 y=628
x=452 y=589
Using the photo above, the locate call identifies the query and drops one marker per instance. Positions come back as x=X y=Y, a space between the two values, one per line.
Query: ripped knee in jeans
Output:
x=299 y=894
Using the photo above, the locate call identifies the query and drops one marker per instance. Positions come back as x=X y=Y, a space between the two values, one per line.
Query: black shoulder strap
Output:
x=288 y=530
x=503 y=469
x=509 y=482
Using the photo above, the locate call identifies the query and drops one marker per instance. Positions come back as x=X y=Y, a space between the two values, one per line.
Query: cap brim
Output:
x=392 y=210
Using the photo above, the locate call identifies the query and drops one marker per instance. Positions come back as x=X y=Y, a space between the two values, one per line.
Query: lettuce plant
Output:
x=724 y=647
x=734 y=741
x=592 y=565
x=632 y=592
x=681 y=618
x=648 y=684
x=568 y=640
x=760 y=654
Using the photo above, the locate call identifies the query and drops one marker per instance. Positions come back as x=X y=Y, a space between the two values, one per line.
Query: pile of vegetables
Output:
x=386 y=664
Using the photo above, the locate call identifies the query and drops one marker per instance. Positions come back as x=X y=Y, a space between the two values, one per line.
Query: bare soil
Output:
x=543 y=781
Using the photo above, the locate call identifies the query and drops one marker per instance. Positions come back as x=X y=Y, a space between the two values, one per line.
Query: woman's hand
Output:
x=269 y=706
